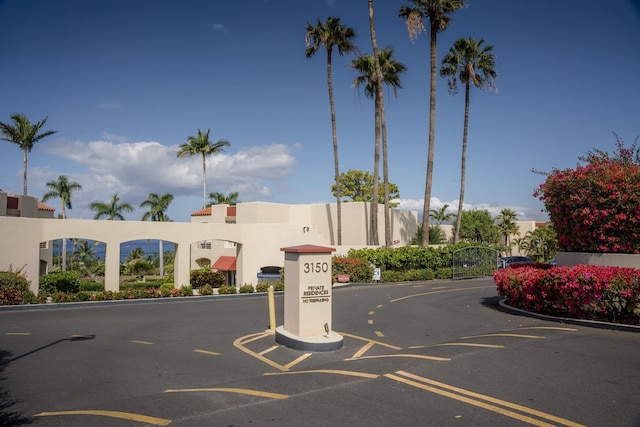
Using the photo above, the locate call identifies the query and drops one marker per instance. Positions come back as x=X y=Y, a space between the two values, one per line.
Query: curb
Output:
x=590 y=323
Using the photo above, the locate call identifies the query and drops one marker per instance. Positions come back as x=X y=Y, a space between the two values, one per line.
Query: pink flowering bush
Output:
x=596 y=207
x=583 y=291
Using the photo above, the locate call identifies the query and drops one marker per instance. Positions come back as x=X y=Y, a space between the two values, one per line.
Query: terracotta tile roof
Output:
x=225 y=263
x=202 y=212
x=44 y=207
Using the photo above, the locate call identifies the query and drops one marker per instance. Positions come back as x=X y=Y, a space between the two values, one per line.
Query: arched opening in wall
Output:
x=146 y=259
x=218 y=254
x=203 y=262
x=84 y=256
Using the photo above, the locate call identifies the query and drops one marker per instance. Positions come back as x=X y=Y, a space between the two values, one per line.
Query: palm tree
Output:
x=441 y=215
x=437 y=11
x=200 y=145
x=391 y=70
x=470 y=64
x=62 y=188
x=112 y=209
x=158 y=206
x=25 y=135
x=329 y=34
x=220 y=199
x=506 y=223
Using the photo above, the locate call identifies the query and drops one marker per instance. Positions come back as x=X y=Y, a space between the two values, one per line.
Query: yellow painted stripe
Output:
x=379 y=334
x=393 y=347
x=18 y=334
x=141 y=342
x=461 y=344
x=510 y=405
x=327 y=371
x=230 y=390
x=370 y=321
x=112 y=414
x=363 y=349
x=371 y=313
x=549 y=328
x=379 y=306
x=295 y=362
x=211 y=353
x=438 y=292
x=239 y=344
x=410 y=356
x=269 y=350
x=503 y=335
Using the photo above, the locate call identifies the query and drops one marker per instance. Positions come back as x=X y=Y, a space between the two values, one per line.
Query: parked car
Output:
x=511 y=261
x=552 y=261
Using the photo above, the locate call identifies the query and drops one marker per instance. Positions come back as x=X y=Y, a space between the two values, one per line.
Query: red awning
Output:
x=225 y=263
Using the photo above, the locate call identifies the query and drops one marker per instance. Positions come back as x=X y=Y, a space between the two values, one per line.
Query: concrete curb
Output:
x=590 y=323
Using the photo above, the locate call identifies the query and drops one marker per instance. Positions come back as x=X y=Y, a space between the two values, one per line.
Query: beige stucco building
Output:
x=249 y=236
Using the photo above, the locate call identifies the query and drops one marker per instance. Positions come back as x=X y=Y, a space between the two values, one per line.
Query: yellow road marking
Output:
x=211 y=353
x=370 y=340
x=269 y=350
x=462 y=344
x=550 y=328
x=411 y=356
x=141 y=342
x=438 y=292
x=503 y=335
x=370 y=321
x=426 y=384
x=230 y=390
x=295 y=362
x=363 y=349
x=371 y=313
x=112 y=414
x=18 y=334
x=379 y=334
x=239 y=344
x=379 y=306
x=327 y=371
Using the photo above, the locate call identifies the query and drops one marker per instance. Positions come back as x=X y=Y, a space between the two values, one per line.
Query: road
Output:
x=438 y=353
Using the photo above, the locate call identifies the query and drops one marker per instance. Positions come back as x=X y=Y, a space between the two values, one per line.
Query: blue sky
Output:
x=124 y=82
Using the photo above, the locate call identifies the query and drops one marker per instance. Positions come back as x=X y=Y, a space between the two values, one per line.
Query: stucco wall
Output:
x=617 y=260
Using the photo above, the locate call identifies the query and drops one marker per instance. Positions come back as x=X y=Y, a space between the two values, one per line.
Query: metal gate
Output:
x=474 y=261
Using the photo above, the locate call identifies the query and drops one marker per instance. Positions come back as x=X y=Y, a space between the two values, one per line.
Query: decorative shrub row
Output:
x=359 y=270
x=584 y=291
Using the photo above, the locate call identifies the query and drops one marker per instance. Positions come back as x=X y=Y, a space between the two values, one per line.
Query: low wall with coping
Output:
x=615 y=260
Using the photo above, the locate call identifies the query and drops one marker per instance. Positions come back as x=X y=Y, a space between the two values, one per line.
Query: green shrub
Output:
x=206 y=276
x=387 y=276
x=418 y=275
x=246 y=289
x=14 y=288
x=278 y=286
x=187 y=291
x=224 y=289
x=262 y=287
x=90 y=286
x=359 y=271
x=206 y=290
x=165 y=289
x=60 y=281
x=443 y=273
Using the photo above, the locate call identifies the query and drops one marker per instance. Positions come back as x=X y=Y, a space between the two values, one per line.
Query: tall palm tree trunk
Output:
x=64 y=241
x=24 y=163
x=204 y=181
x=463 y=166
x=161 y=257
x=432 y=133
x=334 y=135
x=376 y=176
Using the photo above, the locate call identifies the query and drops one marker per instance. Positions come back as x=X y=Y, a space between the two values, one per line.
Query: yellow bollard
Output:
x=272 y=311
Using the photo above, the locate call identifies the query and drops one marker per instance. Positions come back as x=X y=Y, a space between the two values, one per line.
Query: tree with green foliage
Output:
x=437 y=12
x=391 y=69
x=62 y=188
x=357 y=186
x=158 y=206
x=541 y=243
x=469 y=63
x=330 y=34
x=441 y=215
x=506 y=223
x=222 y=199
x=436 y=235
x=200 y=145
x=24 y=135
x=112 y=210
x=477 y=226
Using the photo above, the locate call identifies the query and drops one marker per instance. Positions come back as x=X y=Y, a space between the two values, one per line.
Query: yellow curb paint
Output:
x=240 y=342
x=327 y=371
x=363 y=350
x=230 y=390
x=112 y=414
x=269 y=350
x=295 y=362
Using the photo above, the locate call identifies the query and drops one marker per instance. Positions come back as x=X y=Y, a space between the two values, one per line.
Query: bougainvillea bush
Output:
x=583 y=291
x=596 y=206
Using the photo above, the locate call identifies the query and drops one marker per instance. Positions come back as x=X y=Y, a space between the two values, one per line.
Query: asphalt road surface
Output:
x=438 y=353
